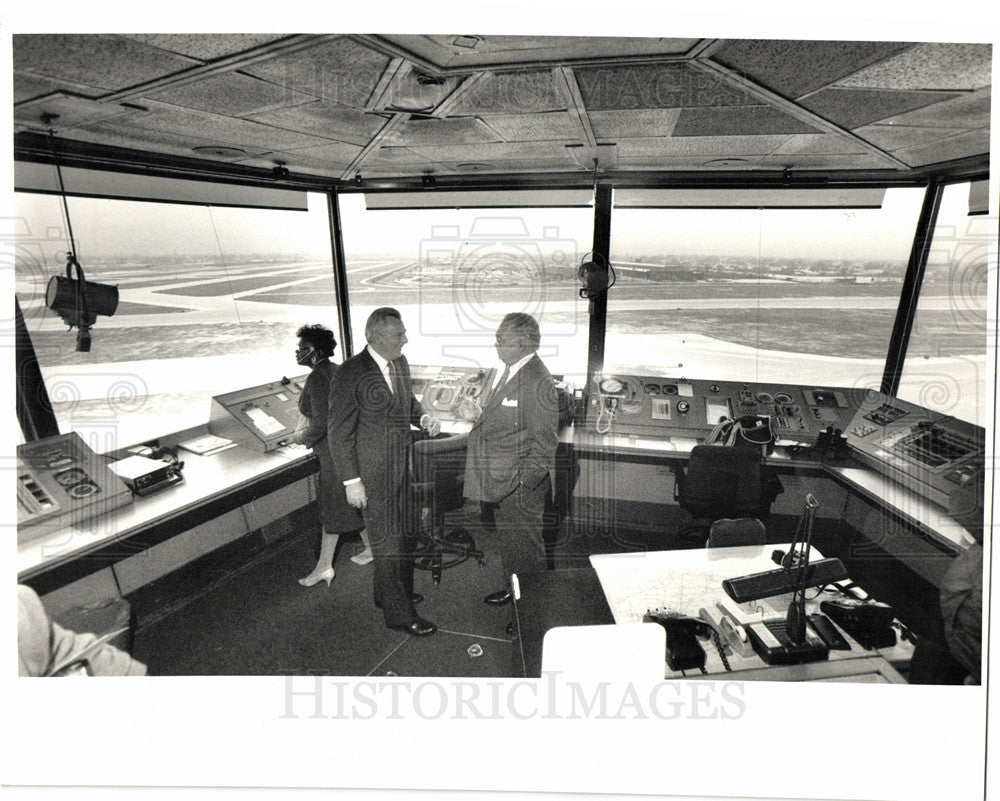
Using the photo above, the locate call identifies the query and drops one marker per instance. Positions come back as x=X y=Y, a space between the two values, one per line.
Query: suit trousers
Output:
x=519 y=521
x=389 y=529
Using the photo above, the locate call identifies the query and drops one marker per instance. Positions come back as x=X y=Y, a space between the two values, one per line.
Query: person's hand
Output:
x=356 y=495
x=431 y=425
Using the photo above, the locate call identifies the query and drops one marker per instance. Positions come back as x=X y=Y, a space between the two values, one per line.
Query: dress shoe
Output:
x=418 y=628
x=315 y=578
x=498 y=598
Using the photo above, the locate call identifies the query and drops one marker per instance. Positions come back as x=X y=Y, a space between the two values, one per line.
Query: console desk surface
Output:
x=685 y=581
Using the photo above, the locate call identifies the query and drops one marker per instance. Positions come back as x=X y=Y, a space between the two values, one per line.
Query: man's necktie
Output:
x=498 y=387
x=394 y=382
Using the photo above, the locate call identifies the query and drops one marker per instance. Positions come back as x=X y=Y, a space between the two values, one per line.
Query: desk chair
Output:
x=724 y=482
x=438 y=477
x=743 y=531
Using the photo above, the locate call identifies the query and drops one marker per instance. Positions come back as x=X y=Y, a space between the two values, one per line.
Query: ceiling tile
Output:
x=338 y=71
x=27 y=87
x=514 y=93
x=71 y=111
x=517 y=166
x=821 y=145
x=644 y=86
x=205 y=46
x=339 y=153
x=867 y=161
x=700 y=145
x=852 y=108
x=491 y=152
x=230 y=93
x=117 y=135
x=454 y=51
x=107 y=63
x=931 y=65
x=534 y=127
x=325 y=120
x=394 y=155
x=970 y=110
x=894 y=137
x=740 y=121
x=955 y=147
x=460 y=131
x=793 y=68
x=240 y=133
x=638 y=122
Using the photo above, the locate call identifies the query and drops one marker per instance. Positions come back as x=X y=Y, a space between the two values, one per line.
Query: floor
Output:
x=258 y=620
x=240 y=612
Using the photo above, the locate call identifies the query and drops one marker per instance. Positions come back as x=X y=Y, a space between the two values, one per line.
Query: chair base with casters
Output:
x=438 y=476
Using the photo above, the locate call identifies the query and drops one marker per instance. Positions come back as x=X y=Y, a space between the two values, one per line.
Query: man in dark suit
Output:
x=512 y=448
x=371 y=410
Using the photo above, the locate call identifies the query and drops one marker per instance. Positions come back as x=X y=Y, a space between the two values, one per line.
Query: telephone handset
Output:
x=616 y=393
x=684 y=652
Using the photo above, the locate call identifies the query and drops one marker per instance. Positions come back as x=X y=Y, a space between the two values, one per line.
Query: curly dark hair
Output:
x=319 y=336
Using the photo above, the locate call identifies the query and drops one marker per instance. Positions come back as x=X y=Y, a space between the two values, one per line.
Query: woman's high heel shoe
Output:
x=315 y=578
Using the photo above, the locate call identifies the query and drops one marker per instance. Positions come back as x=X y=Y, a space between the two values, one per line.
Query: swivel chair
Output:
x=438 y=478
x=724 y=482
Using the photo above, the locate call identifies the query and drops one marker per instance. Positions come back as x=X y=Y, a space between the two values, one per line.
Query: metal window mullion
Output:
x=910 y=293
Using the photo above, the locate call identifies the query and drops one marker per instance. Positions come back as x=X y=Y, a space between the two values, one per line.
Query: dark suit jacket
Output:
x=368 y=427
x=514 y=439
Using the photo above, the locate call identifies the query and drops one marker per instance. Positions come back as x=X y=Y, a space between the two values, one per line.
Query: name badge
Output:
x=512 y=402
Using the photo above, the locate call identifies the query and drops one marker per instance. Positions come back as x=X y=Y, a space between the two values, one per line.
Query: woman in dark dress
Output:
x=316 y=345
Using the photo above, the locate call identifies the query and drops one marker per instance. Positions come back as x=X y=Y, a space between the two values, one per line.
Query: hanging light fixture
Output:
x=76 y=300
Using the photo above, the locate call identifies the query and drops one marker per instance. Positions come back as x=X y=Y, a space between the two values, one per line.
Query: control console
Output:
x=936 y=455
x=451 y=394
x=61 y=481
x=262 y=417
x=651 y=406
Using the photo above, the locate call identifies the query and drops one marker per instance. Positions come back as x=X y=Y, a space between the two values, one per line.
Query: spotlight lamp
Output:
x=78 y=301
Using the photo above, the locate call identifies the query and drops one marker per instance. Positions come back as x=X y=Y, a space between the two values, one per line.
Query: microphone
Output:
x=795 y=621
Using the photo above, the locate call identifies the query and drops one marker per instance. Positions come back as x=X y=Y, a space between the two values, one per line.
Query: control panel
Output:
x=933 y=454
x=650 y=406
x=61 y=481
x=451 y=394
x=262 y=417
